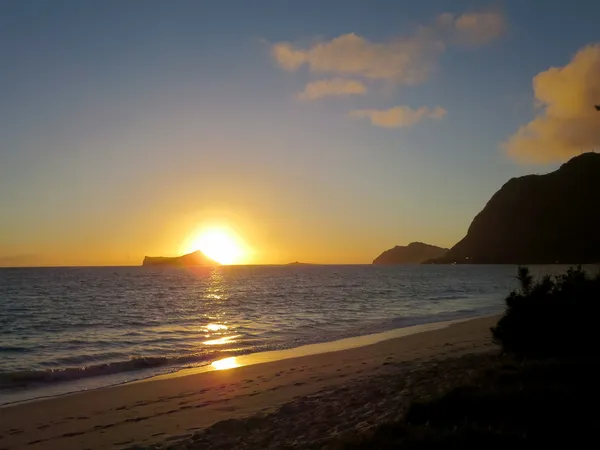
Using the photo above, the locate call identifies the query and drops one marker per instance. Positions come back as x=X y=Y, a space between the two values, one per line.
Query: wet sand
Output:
x=315 y=393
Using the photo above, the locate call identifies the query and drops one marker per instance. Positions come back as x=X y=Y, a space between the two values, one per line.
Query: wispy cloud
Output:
x=332 y=87
x=354 y=62
x=407 y=59
x=472 y=28
x=566 y=122
x=399 y=116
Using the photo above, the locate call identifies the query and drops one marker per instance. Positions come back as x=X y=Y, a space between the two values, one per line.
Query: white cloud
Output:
x=399 y=116
x=403 y=60
x=406 y=61
x=567 y=122
x=332 y=87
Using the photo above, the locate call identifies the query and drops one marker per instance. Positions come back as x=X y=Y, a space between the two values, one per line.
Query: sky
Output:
x=317 y=131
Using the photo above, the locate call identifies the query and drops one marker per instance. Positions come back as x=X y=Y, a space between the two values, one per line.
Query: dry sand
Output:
x=305 y=399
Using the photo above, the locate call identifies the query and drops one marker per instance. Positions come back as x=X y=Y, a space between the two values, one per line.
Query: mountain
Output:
x=538 y=219
x=413 y=253
x=196 y=258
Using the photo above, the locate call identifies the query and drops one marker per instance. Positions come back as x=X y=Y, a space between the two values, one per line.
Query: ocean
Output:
x=70 y=329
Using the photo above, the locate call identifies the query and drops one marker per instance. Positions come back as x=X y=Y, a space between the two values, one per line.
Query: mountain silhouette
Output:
x=413 y=253
x=196 y=258
x=538 y=219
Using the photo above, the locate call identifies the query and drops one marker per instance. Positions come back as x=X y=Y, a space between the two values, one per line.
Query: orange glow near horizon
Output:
x=219 y=244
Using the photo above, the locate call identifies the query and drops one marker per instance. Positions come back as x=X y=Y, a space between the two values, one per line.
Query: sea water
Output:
x=69 y=329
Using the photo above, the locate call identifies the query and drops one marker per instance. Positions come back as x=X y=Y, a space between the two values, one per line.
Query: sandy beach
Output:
x=306 y=398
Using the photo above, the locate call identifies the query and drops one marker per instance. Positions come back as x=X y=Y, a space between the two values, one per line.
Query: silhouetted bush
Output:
x=505 y=404
x=555 y=316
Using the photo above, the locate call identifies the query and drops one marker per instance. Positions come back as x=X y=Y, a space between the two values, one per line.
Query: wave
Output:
x=407 y=321
x=38 y=378
x=11 y=349
x=31 y=378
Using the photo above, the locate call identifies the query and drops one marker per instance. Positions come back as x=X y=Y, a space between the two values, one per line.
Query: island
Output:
x=413 y=253
x=538 y=219
x=196 y=258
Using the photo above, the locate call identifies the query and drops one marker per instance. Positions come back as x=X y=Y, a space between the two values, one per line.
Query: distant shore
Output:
x=173 y=409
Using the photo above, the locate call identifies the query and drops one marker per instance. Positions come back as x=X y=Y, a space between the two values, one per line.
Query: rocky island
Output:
x=196 y=258
x=413 y=253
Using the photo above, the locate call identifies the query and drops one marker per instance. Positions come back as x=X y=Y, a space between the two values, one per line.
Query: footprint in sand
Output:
x=222 y=408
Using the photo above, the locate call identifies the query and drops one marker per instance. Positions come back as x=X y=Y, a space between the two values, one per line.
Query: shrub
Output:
x=506 y=403
x=555 y=316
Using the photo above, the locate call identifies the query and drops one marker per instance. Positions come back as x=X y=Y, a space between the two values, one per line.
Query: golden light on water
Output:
x=219 y=243
x=221 y=341
x=216 y=327
x=227 y=363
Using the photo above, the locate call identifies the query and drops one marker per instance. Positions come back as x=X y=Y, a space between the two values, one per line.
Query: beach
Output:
x=294 y=401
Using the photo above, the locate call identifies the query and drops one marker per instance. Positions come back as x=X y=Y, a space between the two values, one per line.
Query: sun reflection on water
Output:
x=215 y=289
x=221 y=341
x=227 y=363
x=216 y=327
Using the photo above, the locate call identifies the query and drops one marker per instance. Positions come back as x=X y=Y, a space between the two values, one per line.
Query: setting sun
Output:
x=219 y=244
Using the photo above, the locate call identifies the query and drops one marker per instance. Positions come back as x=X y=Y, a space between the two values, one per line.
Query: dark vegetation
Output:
x=508 y=404
x=542 y=390
x=555 y=316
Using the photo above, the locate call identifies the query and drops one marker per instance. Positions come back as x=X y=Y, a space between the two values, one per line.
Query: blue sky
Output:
x=125 y=124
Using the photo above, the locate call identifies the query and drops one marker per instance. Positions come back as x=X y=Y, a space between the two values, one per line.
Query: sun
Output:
x=219 y=244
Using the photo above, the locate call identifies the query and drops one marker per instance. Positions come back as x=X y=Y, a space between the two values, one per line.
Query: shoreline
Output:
x=337 y=345
x=174 y=407
x=54 y=390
